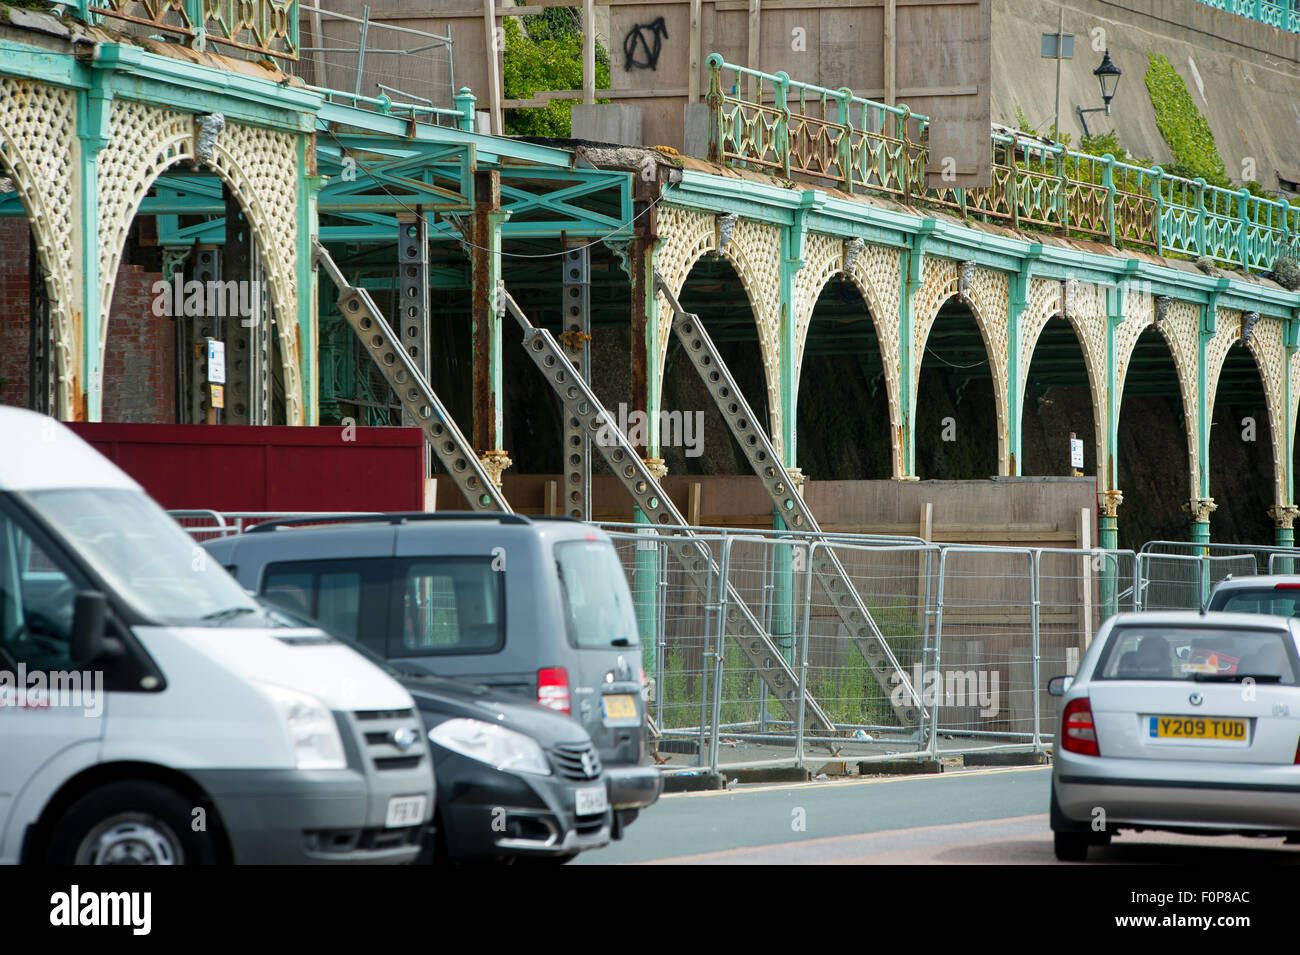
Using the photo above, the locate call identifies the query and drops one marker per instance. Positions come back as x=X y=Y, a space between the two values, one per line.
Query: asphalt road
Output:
x=983 y=817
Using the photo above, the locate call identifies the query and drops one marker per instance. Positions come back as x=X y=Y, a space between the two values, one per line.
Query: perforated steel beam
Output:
x=413 y=390
x=766 y=463
x=413 y=291
x=693 y=555
x=576 y=293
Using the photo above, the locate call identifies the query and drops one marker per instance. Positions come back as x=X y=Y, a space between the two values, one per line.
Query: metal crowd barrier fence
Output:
x=203 y=524
x=1179 y=575
x=977 y=630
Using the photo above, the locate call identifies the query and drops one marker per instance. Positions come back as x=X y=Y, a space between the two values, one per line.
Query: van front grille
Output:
x=380 y=733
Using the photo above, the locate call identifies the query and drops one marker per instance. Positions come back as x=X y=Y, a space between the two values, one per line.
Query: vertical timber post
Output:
x=485 y=253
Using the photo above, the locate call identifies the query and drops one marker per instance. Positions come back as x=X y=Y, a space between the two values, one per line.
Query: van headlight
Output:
x=492 y=744
x=313 y=734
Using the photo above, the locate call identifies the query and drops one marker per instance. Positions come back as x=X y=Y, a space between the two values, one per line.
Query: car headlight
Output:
x=492 y=744
x=313 y=734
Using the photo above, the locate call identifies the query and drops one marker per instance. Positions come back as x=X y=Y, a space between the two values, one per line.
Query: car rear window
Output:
x=1279 y=603
x=451 y=605
x=597 y=602
x=1201 y=653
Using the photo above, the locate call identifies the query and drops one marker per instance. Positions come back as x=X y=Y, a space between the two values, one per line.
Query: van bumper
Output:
x=296 y=817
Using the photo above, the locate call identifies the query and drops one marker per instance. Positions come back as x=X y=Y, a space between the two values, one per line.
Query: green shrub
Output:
x=548 y=56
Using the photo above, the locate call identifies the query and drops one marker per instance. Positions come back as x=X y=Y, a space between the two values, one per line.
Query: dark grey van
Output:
x=539 y=607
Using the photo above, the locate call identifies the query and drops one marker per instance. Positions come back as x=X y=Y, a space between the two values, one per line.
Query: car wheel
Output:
x=1070 y=846
x=130 y=823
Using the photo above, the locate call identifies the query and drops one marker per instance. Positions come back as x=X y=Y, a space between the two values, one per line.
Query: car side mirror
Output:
x=89 y=611
x=1058 y=685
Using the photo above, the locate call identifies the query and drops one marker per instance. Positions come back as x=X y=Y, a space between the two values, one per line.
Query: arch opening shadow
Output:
x=162 y=310
x=1241 y=454
x=956 y=409
x=1057 y=401
x=715 y=293
x=533 y=430
x=1152 y=447
x=844 y=430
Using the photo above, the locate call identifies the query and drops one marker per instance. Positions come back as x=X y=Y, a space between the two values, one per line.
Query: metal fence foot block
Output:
x=900 y=767
x=1004 y=759
x=693 y=781
x=770 y=774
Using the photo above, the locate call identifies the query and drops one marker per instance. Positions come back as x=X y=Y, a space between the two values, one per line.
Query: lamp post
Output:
x=1108 y=75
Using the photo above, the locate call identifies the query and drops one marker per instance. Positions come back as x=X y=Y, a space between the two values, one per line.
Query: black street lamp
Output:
x=1108 y=75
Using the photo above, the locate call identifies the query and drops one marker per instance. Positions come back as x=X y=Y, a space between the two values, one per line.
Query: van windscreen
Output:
x=145 y=557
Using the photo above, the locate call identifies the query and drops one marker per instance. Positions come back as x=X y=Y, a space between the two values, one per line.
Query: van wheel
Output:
x=1070 y=846
x=130 y=823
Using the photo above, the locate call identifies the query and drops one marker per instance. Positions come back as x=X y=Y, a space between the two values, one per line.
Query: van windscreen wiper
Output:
x=228 y=613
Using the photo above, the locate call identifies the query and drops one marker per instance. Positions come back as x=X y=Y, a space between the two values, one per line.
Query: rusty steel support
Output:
x=485 y=254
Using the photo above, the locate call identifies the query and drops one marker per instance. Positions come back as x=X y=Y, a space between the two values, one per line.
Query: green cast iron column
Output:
x=1109 y=497
x=792 y=246
x=308 y=293
x=1015 y=311
x=912 y=264
x=93 y=106
x=1284 y=513
x=646 y=387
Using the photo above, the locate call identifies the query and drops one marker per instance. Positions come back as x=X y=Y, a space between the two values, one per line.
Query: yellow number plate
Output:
x=1197 y=727
x=620 y=706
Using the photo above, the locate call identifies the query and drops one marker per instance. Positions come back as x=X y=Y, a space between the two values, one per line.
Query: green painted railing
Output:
x=771 y=123
x=1282 y=15
x=258 y=26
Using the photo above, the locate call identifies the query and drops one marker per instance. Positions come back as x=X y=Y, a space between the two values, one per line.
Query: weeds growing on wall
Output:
x=1184 y=128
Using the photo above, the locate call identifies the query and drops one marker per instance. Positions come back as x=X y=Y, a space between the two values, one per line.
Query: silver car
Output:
x=1179 y=721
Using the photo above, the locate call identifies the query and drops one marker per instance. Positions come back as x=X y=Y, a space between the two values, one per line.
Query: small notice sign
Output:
x=216 y=362
x=1076 y=453
x=218 y=396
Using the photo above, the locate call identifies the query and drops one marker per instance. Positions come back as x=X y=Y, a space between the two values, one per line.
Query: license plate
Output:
x=1197 y=727
x=591 y=800
x=405 y=811
x=619 y=706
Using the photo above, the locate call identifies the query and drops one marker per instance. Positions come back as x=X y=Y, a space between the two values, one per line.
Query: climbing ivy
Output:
x=1184 y=129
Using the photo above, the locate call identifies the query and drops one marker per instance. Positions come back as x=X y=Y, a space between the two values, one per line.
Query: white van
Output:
x=151 y=711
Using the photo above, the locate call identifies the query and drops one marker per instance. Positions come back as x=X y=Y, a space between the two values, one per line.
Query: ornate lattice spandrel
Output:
x=39 y=150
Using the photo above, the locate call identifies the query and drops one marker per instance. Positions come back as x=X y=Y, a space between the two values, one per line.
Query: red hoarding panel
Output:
x=241 y=468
